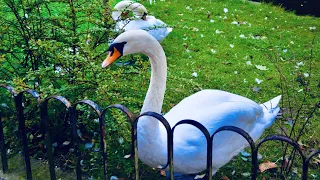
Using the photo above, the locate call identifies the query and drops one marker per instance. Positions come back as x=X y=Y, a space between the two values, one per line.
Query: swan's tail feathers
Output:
x=272 y=104
x=271 y=109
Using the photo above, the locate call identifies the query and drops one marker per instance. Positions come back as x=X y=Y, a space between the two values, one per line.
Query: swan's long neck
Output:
x=155 y=95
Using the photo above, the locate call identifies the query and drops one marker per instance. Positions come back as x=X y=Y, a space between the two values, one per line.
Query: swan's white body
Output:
x=212 y=108
x=153 y=26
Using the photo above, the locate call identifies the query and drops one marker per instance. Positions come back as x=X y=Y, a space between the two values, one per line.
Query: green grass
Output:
x=268 y=30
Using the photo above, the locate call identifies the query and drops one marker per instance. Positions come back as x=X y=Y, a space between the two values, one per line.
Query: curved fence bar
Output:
x=9 y=88
x=245 y=135
x=165 y=123
x=22 y=126
x=103 y=144
x=292 y=143
x=125 y=110
x=209 y=143
x=306 y=165
x=3 y=148
x=73 y=115
x=48 y=131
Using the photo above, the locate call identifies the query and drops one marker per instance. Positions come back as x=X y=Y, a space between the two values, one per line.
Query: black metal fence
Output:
x=72 y=111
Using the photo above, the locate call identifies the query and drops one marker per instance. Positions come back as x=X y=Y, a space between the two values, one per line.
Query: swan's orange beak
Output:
x=114 y=55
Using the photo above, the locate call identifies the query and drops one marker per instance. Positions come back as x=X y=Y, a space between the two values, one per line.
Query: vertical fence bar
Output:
x=73 y=116
x=170 y=153
x=4 y=159
x=135 y=150
x=254 y=164
x=22 y=129
x=103 y=146
x=48 y=136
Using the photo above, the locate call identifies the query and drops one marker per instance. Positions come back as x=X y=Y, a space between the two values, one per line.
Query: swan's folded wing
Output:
x=240 y=114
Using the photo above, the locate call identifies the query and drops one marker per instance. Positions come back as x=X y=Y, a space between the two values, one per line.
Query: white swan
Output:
x=140 y=20
x=212 y=108
x=123 y=7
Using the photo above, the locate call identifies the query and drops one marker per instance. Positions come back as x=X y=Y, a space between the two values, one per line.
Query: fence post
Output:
x=47 y=134
x=3 y=148
x=73 y=116
x=22 y=130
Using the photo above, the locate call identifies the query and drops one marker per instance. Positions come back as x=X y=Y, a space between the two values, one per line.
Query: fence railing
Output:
x=72 y=111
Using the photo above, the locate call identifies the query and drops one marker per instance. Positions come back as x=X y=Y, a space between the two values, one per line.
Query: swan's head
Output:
x=129 y=42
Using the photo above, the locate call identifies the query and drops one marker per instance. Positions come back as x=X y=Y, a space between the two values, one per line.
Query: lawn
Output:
x=232 y=45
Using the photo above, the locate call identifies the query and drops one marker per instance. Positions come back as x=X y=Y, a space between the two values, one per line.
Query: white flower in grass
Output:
x=188 y=8
x=195 y=29
x=218 y=32
x=211 y=20
x=231 y=45
x=26 y=15
x=244 y=80
x=291 y=42
x=258 y=81
x=312 y=28
x=187 y=50
x=152 y=1
x=225 y=10
x=235 y=72
x=235 y=23
x=213 y=51
x=285 y=50
x=300 y=64
x=201 y=35
x=242 y=36
x=194 y=74
x=306 y=74
x=58 y=69
x=249 y=63
x=121 y=140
